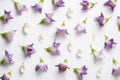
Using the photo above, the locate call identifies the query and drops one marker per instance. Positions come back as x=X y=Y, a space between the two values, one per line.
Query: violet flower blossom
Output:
x=85 y=5
x=4 y=77
x=116 y=71
x=8 y=36
x=37 y=7
x=109 y=43
x=20 y=7
x=6 y=17
x=29 y=50
x=48 y=19
x=100 y=19
x=40 y=67
x=110 y=4
x=58 y=3
x=61 y=32
x=62 y=67
x=80 y=29
x=54 y=48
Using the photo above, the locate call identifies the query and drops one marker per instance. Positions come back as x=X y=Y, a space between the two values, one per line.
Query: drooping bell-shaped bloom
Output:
x=54 y=48
x=62 y=67
x=41 y=67
x=8 y=36
x=80 y=29
x=20 y=7
x=6 y=17
x=61 y=32
x=4 y=77
x=109 y=43
x=110 y=4
x=48 y=19
x=37 y=7
x=116 y=71
x=81 y=71
x=58 y=3
x=85 y=5
x=100 y=19
x=29 y=50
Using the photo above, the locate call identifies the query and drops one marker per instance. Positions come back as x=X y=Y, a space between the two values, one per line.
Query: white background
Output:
x=81 y=41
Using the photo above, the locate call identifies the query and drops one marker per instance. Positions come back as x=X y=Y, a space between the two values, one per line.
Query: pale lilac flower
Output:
x=6 y=17
x=85 y=5
x=61 y=32
x=29 y=50
x=110 y=4
x=59 y=3
x=4 y=77
x=37 y=7
x=8 y=57
x=80 y=28
x=100 y=20
x=20 y=8
x=99 y=56
x=8 y=35
x=109 y=43
x=54 y=48
x=40 y=67
x=116 y=71
x=48 y=19
x=62 y=67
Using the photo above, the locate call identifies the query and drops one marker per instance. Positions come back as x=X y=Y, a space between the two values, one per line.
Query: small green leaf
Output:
x=106 y=37
x=4 y=35
x=76 y=70
x=115 y=61
x=42 y=21
x=92 y=4
x=115 y=1
x=107 y=19
x=92 y=49
x=48 y=49
x=65 y=61
x=2 y=61
x=119 y=27
x=10 y=73
x=84 y=21
x=41 y=60
x=53 y=2
x=41 y=1
x=23 y=48
x=63 y=23
x=2 y=18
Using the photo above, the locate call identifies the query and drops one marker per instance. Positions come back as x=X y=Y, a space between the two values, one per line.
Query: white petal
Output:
x=22 y=68
x=40 y=38
x=26 y=28
x=99 y=71
x=69 y=13
x=79 y=52
x=69 y=47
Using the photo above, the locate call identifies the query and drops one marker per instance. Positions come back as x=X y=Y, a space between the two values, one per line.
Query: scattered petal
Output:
x=79 y=52
x=69 y=13
x=26 y=28
x=40 y=38
x=69 y=47
x=98 y=74
x=22 y=68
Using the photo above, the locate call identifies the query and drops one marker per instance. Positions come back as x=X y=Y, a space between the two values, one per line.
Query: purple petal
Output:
x=85 y=5
x=30 y=50
x=62 y=67
x=80 y=28
x=83 y=71
x=21 y=9
x=116 y=71
x=37 y=7
x=7 y=15
x=109 y=43
x=4 y=77
x=58 y=4
x=100 y=20
x=49 y=18
x=110 y=4
x=10 y=35
x=41 y=67
x=61 y=31
x=8 y=57
x=99 y=56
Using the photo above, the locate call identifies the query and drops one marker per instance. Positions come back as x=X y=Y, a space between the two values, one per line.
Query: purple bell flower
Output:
x=61 y=32
x=37 y=7
x=80 y=28
x=59 y=3
x=109 y=43
x=116 y=71
x=62 y=67
x=110 y=4
x=40 y=67
x=85 y=5
x=4 y=77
